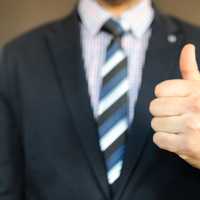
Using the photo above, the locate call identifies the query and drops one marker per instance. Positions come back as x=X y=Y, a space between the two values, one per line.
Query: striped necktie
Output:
x=113 y=103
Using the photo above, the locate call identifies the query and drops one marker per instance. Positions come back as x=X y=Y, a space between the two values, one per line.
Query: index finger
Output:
x=176 y=88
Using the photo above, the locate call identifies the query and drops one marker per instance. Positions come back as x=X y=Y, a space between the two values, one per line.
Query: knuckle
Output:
x=158 y=90
x=188 y=146
x=194 y=104
x=154 y=124
x=161 y=87
x=151 y=109
x=152 y=106
x=193 y=124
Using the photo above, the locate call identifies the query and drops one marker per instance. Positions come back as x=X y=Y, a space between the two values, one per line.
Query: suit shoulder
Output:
x=33 y=39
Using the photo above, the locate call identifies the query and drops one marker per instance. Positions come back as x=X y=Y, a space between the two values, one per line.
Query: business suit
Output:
x=48 y=136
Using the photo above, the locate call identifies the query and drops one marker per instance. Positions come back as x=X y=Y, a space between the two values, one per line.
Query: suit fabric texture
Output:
x=49 y=138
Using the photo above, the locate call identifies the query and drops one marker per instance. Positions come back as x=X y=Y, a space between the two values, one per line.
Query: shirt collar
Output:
x=137 y=19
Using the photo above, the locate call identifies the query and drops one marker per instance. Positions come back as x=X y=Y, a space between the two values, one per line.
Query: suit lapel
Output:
x=161 y=58
x=65 y=45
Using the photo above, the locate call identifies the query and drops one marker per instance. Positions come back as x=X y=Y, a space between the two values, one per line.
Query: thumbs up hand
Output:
x=176 y=111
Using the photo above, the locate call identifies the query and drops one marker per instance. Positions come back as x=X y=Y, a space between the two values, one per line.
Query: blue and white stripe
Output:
x=113 y=114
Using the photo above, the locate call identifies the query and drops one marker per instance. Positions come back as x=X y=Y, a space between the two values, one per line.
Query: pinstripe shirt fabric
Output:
x=95 y=43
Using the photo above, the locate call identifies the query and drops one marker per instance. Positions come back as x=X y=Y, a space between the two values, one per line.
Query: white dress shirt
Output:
x=95 y=43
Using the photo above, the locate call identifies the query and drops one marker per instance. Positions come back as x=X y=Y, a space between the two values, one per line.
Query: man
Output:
x=76 y=106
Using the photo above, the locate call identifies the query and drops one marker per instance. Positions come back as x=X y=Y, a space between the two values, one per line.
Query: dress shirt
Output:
x=95 y=42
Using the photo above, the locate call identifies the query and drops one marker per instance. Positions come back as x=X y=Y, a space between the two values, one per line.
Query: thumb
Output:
x=188 y=63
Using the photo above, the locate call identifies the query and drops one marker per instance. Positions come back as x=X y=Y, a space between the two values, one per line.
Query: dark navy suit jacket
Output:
x=48 y=136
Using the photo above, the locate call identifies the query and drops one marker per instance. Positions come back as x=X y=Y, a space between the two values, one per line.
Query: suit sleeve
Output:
x=11 y=152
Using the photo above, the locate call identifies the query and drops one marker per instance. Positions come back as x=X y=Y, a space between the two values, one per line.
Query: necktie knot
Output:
x=114 y=28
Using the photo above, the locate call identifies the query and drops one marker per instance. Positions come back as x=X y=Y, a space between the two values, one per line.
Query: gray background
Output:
x=17 y=16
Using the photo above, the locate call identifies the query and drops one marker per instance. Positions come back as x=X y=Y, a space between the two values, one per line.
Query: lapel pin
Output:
x=172 y=38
